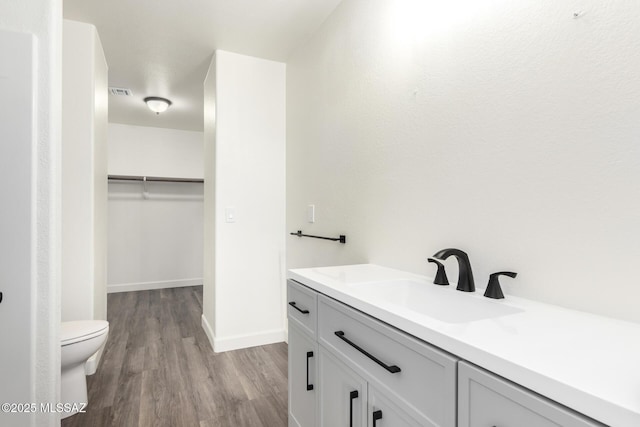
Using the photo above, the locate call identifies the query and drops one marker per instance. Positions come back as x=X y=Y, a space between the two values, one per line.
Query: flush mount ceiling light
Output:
x=157 y=104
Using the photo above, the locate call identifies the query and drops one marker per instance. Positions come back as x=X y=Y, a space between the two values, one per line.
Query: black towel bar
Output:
x=341 y=239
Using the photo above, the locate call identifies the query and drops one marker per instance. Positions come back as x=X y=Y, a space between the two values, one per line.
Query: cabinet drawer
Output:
x=302 y=306
x=486 y=400
x=421 y=377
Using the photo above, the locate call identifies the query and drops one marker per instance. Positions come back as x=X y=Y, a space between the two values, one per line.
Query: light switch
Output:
x=311 y=213
x=230 y=214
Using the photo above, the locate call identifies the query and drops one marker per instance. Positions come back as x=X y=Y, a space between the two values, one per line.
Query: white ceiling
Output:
x=163 y=47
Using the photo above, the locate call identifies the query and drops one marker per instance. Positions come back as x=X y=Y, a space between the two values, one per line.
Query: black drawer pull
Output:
x=393 y=368
x=377 y=415
x=293 y=304
x=352 y=395
x=309 y=356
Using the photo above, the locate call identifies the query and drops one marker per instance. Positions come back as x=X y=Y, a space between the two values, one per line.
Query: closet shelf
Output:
x=151 y=178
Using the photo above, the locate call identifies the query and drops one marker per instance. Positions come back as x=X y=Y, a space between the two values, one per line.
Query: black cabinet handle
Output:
x=377 y=415
x=309 y=356
x=293 y=304
x=0 y=296
x=352 y=395
x=393 y=368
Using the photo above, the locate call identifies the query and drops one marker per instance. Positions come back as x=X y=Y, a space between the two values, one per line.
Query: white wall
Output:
x=84 y=174
x=155 y=240
x=209 y=251
x=507 y=129
x=101 y=186
x=30 y=191
x=148 y=151
x=249 y=150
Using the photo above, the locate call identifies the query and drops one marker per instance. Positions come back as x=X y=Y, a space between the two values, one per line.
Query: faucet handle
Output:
x=441 y=275
x=493 y=288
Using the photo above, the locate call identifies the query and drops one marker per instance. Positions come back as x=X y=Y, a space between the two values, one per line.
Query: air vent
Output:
x=120 y=91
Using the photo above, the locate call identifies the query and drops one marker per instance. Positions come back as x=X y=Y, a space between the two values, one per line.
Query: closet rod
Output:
x=151 y=178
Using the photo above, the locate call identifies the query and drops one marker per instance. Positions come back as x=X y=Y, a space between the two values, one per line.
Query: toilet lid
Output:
x=81 y=330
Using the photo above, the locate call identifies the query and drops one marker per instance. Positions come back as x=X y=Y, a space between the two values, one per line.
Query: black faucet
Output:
x=465 y=276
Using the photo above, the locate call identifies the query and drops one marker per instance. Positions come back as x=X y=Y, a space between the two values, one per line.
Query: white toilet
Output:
x=79 y=340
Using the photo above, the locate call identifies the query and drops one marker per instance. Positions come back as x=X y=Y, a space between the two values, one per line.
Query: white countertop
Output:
x=587 y=362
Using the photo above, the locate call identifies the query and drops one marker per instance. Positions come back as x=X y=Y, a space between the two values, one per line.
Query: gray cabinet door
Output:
x=303 y=375
x=342 y=394
x=486 y=400
x=382 y=412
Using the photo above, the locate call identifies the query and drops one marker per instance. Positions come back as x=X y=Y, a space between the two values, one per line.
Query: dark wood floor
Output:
x=158 y=369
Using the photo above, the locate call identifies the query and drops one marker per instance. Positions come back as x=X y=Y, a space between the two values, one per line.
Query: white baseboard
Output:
x=146 y=286
x=207 y=330
x=245 y=341
x=237 y=342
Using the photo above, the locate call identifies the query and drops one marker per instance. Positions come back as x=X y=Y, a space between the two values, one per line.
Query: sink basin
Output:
x=442 y=303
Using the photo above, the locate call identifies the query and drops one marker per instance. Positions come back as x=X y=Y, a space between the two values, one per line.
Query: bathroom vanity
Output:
x=372 y=346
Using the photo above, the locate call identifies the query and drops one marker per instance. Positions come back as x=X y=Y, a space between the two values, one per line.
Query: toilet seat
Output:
x=81 y=330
